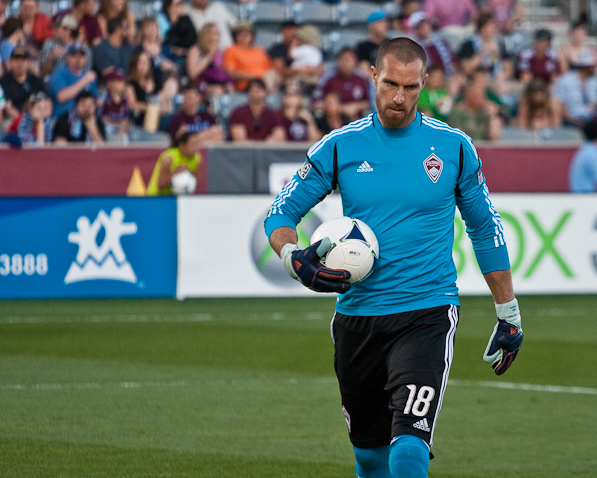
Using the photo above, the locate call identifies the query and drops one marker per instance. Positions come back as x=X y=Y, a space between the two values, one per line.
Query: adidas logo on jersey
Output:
x=422 y=425
x=364 y=168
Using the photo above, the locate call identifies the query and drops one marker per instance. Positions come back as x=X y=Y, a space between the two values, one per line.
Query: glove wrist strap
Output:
x=286 y=256
x=509 y=312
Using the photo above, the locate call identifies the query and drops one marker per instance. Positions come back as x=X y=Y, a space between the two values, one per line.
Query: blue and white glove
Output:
x=506 y=339
x=304 y=266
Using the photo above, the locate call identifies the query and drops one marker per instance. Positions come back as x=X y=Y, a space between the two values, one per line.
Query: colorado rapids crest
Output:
x=433 y=167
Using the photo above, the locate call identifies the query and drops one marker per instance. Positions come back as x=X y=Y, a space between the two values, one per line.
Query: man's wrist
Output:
x=286 y=256
x=509 y=312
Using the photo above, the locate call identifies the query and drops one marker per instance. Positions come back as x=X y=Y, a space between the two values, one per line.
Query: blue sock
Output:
x=409 y=457
x=372 y=462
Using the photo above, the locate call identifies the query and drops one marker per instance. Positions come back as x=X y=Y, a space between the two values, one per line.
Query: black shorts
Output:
x=393 y=371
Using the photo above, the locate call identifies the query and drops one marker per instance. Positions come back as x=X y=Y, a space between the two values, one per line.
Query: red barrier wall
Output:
x=107 y=171
x=78 y=171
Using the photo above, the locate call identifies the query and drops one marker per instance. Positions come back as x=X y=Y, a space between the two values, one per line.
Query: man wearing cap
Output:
x=114 y=110
x=202 y=12
x=437 y=49
x=84 y=12
x=115 y=51
x=576 y=91
x=53 y=52
x=19 y=83
x=539 y=60
x=351 y=87
x=377 y=33
x=67 y=81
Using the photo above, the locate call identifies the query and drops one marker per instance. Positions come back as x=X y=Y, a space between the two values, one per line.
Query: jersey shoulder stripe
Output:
x=440 y=126
x=353 y=127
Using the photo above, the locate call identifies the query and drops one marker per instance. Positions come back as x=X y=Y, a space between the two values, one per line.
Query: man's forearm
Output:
x=500 y=285
x=282 y=236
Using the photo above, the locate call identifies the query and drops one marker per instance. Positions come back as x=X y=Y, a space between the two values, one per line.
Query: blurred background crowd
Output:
x=121 y=71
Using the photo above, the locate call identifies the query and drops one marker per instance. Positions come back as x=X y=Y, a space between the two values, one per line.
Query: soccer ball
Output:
x=354 y=246
x=184 y=182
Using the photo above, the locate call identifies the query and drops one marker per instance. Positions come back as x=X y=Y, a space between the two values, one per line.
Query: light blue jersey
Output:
x=405 y=184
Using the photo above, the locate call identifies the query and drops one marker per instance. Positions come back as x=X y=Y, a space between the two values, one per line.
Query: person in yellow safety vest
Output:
x=184 y=155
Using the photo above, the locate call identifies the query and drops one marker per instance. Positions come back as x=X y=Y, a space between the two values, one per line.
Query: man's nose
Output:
x=399 y=96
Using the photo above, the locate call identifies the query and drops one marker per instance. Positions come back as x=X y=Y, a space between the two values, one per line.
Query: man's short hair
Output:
x=83 y=95
x=344 y=50
x=257 y=82
x=190 y=86
x=483 y=20
x=114 y=24
x=403 y=49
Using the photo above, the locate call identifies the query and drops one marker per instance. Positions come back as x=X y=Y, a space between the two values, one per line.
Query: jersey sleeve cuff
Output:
x=493 y=260
x=276 y=221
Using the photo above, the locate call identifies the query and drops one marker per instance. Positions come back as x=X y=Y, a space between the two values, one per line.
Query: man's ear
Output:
x=425 y=76
x=374 y=75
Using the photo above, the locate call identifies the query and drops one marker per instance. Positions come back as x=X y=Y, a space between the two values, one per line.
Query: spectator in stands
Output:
x=114 y=109
x=482 y=78
x=80 y=124
x=582 y=176
x=377 y=33
x=205 y=63
x=112 y=9
x=2 y=107
x=36 y=27
x=475 y=115
x=577 y=92
x=115 y=51
x=484 y=48
x=437 y=49
x=84 y=12
x=450 y=13
x=332 y=117
x=53 y=52
x=12 y=37
x=142 y=86
x=279 y=52
x=19 y=83
x=181 y=35
x=69 y=80
x=151 y=43
x=255 y=120
x=34 y=125
x=245 y=61
x=435 y=100
x=539 y=60
x=190 y=118
x=352 y=88
x=402 y=22
x=576 y=46
x=183 y=156
x=507 y=14
x=537 y=109
x=3 y=7
x=306 y=56
x=298 y=120
x=203 y=12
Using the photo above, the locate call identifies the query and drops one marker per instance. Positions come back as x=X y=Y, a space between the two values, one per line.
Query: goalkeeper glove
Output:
x=304 y=266
x=506 y=338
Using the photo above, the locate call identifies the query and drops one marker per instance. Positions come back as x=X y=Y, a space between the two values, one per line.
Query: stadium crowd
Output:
x=94 y=73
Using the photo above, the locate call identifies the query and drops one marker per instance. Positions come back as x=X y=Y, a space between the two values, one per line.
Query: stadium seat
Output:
x=263 y=12
x=223 y=105
x=233 y=8
x=517 y=135
x=314 y=13
x=266 y=38
x=140 y=9
x=563 y=134
x=356 y=12
x=334 y=41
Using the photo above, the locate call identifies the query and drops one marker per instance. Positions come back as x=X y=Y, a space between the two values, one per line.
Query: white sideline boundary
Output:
x=184 y=383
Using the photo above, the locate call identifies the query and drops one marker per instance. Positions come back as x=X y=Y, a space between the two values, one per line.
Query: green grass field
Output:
x=245 y=388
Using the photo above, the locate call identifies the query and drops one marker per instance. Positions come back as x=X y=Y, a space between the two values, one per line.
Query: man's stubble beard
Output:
x=389 y=120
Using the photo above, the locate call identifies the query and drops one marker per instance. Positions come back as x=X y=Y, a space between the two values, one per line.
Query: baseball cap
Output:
x=76 y=48
x=310 y=34
x=19 y=53
x=116 y=74
x=417 y=18
x=376 y=16
x=69 y=21
x=543 y=34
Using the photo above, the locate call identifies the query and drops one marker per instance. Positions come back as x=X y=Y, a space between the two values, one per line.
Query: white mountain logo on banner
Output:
x=106 y=261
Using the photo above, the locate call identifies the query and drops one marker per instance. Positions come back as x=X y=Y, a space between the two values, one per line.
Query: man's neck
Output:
x=20 y=78
x=256 y=109
x=115 y=41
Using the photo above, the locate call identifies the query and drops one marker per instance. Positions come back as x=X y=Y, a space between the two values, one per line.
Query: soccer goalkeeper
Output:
x=403 y=174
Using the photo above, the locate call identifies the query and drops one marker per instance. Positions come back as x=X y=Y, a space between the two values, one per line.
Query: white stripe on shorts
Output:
x=448 y=356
